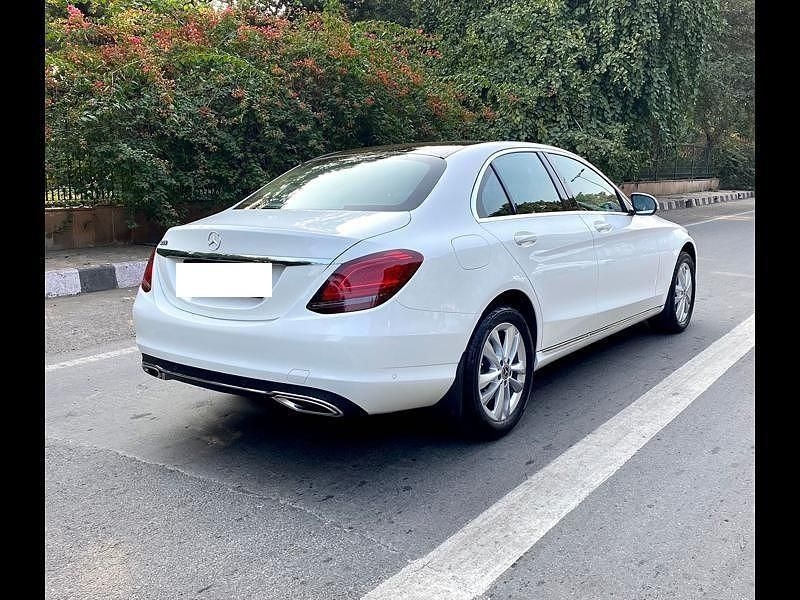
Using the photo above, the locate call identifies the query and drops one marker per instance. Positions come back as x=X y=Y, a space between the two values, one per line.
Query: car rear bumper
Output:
x=298 y=398
x=381 y=360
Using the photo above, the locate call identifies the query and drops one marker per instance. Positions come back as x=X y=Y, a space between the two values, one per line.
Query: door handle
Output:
x=525 y=238
x=602 y=226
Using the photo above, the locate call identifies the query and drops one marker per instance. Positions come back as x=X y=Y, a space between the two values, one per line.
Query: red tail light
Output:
x=147 y=278
x=366 y=282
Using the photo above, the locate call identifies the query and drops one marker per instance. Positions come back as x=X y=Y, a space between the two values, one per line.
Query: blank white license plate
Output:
x=223 y=280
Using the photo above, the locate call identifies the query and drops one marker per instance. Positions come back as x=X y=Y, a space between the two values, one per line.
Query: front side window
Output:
x=526 y=180
x=369 y=181
x=590 y=190
x=492 y=199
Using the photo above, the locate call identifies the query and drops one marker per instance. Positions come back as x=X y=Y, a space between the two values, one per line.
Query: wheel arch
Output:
x=689 y=248
x=518 y=299
x=451 y=402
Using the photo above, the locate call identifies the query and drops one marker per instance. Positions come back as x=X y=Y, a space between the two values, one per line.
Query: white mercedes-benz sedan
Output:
x=398 y=277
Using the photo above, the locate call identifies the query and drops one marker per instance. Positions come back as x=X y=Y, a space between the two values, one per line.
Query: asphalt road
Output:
x=160 y=490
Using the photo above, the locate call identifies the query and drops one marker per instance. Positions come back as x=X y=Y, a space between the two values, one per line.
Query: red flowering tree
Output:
x=176 y=103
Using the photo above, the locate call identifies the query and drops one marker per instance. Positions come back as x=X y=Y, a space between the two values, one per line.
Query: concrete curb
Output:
x=702 y=199
x=69 y=282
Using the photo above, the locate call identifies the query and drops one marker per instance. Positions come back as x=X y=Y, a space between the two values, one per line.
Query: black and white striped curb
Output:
x=701 y=199
x=68 y=282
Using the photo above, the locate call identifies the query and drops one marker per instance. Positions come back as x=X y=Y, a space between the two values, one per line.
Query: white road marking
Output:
x=466 y=564
x=747 y=212
x=90 y=359
x=732 y=274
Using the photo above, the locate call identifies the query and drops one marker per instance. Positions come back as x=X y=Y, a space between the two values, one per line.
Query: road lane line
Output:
x=732 y=274
x=90 y=359
x=466 y=564
x=747 y=212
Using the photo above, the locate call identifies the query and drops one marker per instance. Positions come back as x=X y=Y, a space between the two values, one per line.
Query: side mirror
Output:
x=644 y=204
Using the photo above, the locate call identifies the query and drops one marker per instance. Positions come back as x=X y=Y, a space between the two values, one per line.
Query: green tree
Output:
x=163 y=99
x=168 y=105
x=726 y=96
x=644 y=58
x=610 y=78
x=725 y=109
x=396 y=11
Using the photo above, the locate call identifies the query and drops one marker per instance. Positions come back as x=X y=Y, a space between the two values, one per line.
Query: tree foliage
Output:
x=725 y=108
x=163 y=100
x=613 y=78
x=726 y=91
x=165 y=104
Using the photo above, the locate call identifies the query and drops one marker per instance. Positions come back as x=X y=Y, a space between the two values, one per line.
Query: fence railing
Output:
x=682 y=161
x=69 y=196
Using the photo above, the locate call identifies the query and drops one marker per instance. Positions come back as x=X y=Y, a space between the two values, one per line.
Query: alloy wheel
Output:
x=683 y=293
x=501 y=375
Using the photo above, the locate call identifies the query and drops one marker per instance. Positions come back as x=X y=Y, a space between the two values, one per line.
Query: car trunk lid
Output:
x=300 y=244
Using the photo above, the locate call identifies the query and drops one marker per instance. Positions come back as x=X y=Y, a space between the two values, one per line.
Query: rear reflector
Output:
x=366 y=282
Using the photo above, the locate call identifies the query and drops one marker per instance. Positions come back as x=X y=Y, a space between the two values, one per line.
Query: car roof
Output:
x=439 y=149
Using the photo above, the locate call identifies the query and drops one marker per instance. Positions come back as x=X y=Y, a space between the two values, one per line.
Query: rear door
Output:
x=518 y=203
x=627 y=248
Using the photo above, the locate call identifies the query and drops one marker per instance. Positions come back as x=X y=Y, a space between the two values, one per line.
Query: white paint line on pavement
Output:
x=732 y=274
x=747 y=212
x=466 y=564
x=90 y=359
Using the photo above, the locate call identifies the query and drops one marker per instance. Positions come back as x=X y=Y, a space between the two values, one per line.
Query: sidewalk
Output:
x=70 y=272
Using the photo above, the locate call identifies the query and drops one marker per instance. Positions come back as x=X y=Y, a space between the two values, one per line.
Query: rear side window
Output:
x=373 y=181
x=492 y=200
x=527 y=182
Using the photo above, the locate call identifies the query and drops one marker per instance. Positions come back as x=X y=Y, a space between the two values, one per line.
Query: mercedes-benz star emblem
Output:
x=214 y=240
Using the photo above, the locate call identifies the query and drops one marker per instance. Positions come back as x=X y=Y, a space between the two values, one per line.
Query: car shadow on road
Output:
x=392 y=471
x=564 y=388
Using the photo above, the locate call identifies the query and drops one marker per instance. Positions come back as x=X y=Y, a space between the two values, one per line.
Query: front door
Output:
x=627 y=248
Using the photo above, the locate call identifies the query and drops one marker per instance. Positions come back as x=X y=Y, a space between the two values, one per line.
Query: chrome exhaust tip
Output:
x=296 y=402
x=154 y=370
x=306 y=404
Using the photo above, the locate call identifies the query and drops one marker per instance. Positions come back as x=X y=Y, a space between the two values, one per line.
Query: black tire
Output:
x=667 y=320
x=475 y=419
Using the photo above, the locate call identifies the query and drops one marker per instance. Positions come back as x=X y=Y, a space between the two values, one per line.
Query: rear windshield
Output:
x=366 y=181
